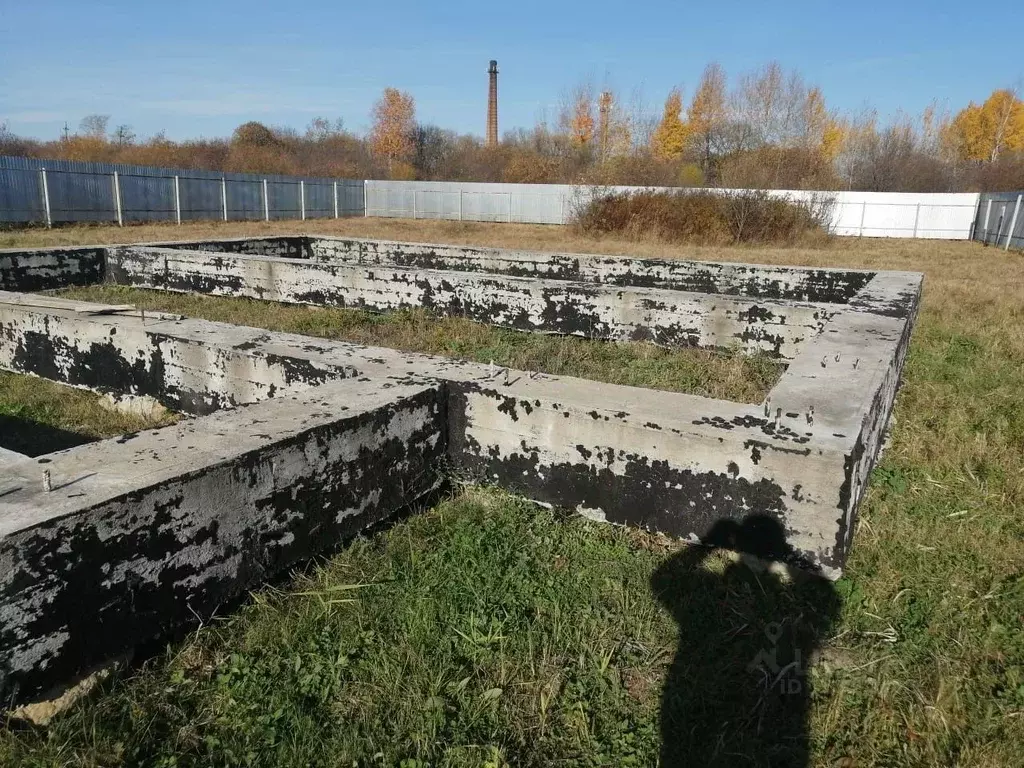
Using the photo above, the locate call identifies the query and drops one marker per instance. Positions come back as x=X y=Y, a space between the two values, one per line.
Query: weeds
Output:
x=704 y=218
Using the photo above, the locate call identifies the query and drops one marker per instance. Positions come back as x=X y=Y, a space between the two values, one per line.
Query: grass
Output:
x=487 y=631
x=725 y=376
x=39 y=416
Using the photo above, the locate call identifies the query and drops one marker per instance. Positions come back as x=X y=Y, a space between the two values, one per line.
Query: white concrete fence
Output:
x=942 y=216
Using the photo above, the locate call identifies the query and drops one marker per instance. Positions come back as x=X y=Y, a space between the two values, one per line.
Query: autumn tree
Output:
x=708 y=116
x=322 y=129
x=821 y=129
x=605 y=103
x=614 y=134
x=255 y=148
x=984 y=132
x=94 y=126
x=123 y=135
x=392 y=137
x=669 y=139
x=576 y=116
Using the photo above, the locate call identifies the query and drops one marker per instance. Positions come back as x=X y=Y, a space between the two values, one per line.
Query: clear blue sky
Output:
x=201 y=68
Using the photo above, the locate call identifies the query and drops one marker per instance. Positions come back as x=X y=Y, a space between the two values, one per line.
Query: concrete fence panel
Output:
x=870 y=214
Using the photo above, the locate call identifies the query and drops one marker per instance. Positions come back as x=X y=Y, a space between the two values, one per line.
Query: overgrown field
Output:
x=38 y=416
x=487 y=631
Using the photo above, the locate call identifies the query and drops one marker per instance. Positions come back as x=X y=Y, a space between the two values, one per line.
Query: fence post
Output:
x=177 y=200
x=117 y=199
x=302 y=198
x=988 y=212
x=266 y=202
x=509 y=207
x=460 y=203
x=561 y=209
x=1013 y=223
x=46 y=198
x=224 y=196
x=414 y=204
x=335 y=199
x=917 y=216
x=863 y=214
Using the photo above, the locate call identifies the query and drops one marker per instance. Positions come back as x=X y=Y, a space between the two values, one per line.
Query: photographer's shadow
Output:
x=737 y=693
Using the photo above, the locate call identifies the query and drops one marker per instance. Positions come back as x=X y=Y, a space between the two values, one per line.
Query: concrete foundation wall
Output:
x=749 y=280
x=48 y=269
x=289 y=247
x=141 y=534
x=666 y=317
x=183 y=374
x=149 y=530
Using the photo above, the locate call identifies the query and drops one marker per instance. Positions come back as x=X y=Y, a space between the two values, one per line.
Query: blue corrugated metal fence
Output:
x=56 y=191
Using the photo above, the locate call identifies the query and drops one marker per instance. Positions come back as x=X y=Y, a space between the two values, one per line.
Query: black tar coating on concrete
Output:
x=284 y=247
x=103 y=367
x=570 y=308
x=641 y=493
x=58 y=268
x=818 y=285
x=103 y=616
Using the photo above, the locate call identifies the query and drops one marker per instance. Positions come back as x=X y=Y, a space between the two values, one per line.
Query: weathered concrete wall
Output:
x=666 y=317
x=289 y=247
x=834 y=286
x=142 y=528
x=184 y=374
x=750 y=280
x=146 y=532
x=672 y=464
x=51 y=268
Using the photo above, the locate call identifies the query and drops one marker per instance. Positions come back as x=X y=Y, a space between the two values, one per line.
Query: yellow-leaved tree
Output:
x=581 y=123
x=669 y=139
x=824 y=134
x=394 y=125
x=708 y=115
x=983 y=132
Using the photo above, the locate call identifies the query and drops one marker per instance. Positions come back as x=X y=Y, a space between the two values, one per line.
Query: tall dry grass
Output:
x=748 y=217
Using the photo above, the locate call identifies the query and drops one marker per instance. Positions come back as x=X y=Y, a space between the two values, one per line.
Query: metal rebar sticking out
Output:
x=492 y=105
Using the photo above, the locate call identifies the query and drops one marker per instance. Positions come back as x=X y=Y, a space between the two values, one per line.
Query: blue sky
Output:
x=201 y=68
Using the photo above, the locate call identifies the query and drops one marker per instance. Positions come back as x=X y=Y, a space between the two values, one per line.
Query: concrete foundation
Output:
x=145 y=531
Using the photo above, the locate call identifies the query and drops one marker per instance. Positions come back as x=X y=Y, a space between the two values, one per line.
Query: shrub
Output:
x=705 y=218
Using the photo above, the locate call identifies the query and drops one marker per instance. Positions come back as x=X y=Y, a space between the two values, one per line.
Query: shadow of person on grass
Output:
x=737 y=693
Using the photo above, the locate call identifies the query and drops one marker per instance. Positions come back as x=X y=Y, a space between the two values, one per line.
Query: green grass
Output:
x=734 y=377
x=483 y=632
x=39 y=416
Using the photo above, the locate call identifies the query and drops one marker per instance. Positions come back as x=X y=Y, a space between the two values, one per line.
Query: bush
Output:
x=705 y=218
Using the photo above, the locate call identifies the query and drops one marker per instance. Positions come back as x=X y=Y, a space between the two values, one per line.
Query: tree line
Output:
x=767 y=128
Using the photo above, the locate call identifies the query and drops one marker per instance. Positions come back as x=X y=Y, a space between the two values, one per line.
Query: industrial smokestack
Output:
x=492 y=105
